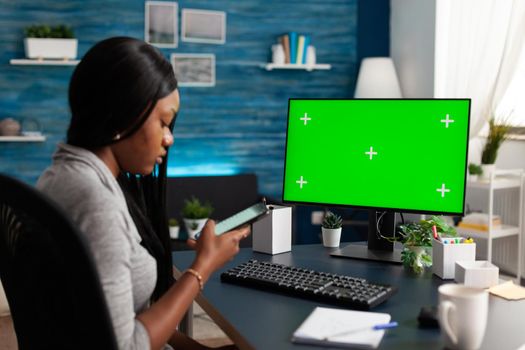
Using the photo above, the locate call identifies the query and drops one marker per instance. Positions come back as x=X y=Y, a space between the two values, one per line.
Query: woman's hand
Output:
x=214 y=251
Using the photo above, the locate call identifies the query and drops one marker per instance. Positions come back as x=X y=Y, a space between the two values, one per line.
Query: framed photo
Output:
x=203 y=26
x=161 y=23
x=194 y=69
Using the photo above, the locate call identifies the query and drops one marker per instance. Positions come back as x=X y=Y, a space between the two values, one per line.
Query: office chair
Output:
x=49 y=276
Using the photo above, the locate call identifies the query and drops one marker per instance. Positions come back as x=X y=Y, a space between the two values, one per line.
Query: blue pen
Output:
x=377 y=327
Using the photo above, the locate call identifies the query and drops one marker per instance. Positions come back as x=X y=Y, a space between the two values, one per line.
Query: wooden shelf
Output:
x=40 y=138
x=36 y=62
x=308 y=67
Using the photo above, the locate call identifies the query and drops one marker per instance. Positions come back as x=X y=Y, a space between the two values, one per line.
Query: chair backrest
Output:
x=49 y=276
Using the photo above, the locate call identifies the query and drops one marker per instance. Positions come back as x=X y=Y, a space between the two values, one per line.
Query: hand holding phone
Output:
x=243 y=217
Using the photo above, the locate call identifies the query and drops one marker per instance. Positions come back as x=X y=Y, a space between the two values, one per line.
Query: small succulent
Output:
x=194 y=209
x=474 y=169
x=44 y=31
x=332 y=220
x=173 y=222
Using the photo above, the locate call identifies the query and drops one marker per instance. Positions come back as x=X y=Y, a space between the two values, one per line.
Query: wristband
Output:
x=198 y=276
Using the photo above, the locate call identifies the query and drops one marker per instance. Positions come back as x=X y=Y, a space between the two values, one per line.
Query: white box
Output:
x=444 y=257
x=477 y=274
x=272 y=234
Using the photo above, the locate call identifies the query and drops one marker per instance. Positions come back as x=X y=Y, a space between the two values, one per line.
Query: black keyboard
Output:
x=351 y=292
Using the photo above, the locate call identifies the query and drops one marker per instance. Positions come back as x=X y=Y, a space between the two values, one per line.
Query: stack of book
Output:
x=295 y=46
x=479 y=221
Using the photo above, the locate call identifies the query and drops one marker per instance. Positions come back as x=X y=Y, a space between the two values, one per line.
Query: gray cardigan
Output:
x=86 y=189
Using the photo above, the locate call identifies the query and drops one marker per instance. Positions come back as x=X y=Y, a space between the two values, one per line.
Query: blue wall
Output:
x=238 y=125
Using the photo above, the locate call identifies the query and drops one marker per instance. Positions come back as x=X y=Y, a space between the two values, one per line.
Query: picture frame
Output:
x=161 y=27
x=203 y=26
x=194 y=69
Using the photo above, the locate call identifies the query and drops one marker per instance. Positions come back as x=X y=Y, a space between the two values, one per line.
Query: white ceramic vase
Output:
x=193 y=226
x=174 y=232
x=331 y=237
x=488 y=169
x=278 y=54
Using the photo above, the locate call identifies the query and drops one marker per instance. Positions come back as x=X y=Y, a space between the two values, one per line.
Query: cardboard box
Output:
x=444 y=257
x=477 y=274
x=272 y=234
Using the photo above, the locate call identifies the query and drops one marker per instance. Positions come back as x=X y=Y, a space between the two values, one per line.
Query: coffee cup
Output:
x=462 y=314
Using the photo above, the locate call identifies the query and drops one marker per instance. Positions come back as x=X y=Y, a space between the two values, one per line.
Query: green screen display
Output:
x=399 y=154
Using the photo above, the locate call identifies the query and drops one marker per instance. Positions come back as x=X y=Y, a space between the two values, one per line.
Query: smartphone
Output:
x=243 y=217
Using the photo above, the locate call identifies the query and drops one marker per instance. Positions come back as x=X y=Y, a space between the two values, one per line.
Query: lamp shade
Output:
x=377 y=79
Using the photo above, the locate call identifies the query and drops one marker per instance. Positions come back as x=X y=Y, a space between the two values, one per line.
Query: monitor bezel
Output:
x=402 y=210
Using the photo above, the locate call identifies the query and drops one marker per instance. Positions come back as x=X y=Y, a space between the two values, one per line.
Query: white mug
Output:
x=463 y=313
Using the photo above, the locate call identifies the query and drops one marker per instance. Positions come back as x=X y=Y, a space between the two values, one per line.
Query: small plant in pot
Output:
x=331 y=229
x=417 y=242
x=52 y=42
x=195 y=214
x=497 y=134
x=174 y=228
x=474 y=171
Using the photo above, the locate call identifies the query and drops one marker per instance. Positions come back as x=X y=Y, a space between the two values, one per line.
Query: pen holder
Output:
x=444 y=257
x=272 y=234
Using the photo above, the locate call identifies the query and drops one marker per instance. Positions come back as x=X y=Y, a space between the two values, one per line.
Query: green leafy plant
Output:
x=45 y=31
x=417 y=241
x=497 y=134
x=194 y=209
x=332 y=221
x=474 y=169
x=173 y=222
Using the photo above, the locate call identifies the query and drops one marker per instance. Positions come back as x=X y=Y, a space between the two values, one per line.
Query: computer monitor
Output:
x=385 y=155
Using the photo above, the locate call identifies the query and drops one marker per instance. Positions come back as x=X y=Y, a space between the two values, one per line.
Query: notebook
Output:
x=329 y=327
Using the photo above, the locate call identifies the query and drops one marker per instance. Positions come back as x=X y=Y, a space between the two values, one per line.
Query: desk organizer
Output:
x=272 y=234
x=444 y=257
x=477 y=274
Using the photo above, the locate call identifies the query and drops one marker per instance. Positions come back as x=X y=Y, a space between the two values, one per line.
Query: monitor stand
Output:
x=378 y=249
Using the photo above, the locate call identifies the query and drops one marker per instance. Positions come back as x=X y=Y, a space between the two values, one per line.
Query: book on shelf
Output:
x=293 y=47
x=285 y=42
x=479 y=221
x=306 y=44
x=300 y=49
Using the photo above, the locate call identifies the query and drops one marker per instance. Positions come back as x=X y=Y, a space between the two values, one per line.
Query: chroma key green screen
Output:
x=398 y=154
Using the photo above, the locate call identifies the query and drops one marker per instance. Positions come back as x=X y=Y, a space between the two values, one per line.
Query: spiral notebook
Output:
x=341 y=328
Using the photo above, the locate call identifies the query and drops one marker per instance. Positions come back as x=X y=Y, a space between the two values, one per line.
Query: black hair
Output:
x=112 y=92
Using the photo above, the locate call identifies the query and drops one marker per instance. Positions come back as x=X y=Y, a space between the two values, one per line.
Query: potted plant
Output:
x=417 y=242
x=474 y=171
x=195 y=214
x=174 y=228
x=43 y=41
x=497 y=134
x=331 y=229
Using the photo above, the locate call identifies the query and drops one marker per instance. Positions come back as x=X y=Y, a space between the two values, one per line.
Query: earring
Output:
x=117 y=137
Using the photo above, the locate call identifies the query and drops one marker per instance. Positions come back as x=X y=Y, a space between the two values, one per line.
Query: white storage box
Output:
x=444 y=257
x=272 y=234
x=477 y=274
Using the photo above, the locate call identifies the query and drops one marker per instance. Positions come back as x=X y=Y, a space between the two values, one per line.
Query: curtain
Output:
x=478 y=45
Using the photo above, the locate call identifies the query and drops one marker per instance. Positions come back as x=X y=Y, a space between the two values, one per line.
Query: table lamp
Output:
x=377 y=79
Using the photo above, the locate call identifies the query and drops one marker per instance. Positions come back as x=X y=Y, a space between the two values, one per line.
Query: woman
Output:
x=110 y=178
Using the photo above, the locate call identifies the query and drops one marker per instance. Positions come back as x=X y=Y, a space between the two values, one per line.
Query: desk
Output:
x=256 y=319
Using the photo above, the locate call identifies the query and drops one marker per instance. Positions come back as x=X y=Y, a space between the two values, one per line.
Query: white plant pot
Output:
x=174 y=232
x=331 y=237
x=41 y=48
x=193 y=226
x=488 y=169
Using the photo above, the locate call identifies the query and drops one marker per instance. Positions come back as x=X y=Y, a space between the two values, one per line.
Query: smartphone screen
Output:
x=245 y=216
